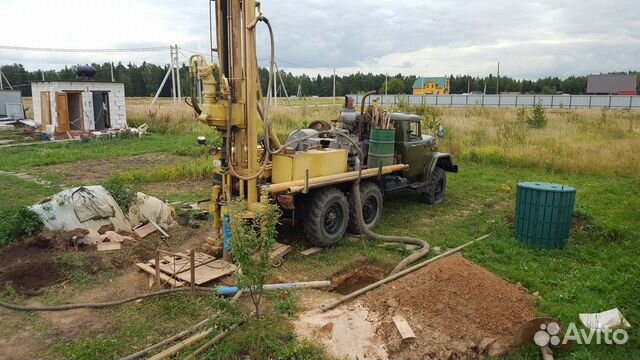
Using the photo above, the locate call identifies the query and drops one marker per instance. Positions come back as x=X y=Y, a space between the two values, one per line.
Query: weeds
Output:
x=271 y=337
x=431 y=118
x=284 y=303
x=15 y=225
x=199 y=169
x=123 y=195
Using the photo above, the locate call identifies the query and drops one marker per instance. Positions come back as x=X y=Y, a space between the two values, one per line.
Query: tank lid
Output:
x=541 y=186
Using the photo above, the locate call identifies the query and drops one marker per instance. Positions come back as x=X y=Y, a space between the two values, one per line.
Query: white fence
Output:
x=506 y=101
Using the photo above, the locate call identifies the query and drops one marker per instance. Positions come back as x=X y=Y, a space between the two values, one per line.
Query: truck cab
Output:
x=427 y=167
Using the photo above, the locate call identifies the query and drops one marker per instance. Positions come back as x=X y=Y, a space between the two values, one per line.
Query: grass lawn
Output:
x=24 y=157
x=598 y=270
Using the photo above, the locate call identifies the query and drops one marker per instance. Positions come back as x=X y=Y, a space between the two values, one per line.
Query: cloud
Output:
x=531 y=39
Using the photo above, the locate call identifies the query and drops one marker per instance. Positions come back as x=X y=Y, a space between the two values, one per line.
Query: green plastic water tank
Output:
x=381 y=147
x=544 y=213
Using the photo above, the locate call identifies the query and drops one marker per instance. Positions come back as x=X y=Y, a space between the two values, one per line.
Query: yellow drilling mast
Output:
x=311 y=177
x=230 y=104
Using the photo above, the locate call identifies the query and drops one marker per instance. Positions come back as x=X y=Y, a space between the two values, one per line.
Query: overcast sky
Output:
x=531 y=39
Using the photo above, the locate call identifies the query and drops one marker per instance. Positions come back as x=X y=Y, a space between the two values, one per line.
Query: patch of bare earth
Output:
x=31 y=267
x=176 y=188
x=458 y=310
x=18 y=340
x=89 y=172
x=71 y=324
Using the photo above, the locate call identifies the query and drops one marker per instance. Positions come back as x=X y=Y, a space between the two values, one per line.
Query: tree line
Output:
x=143 y=81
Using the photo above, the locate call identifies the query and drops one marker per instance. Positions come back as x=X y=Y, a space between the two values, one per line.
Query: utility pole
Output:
x=469 y=85
x=334 y=86
x=113 y=79
x=386 y=84
x=498 y=83
x=284 y=88
x=164 y=81
x=174 y=90
x=178 y=73
x=1 y=75
x=42 y=72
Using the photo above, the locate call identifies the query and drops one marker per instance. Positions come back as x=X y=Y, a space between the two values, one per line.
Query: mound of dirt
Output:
x=458 y=310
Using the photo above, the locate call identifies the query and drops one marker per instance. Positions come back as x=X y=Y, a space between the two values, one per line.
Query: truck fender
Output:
x=441 y=160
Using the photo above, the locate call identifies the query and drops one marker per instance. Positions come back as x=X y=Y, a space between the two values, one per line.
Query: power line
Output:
x=306 y=67
x=192 y=51
x=22 y=48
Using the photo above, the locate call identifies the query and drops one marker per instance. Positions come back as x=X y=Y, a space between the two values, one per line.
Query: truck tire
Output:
x=437 y=189
x=327 y=217
x=372 y=202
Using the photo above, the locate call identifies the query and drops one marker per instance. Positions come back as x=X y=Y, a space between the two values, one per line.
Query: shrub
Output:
x=123 y=195
x=538 y=118
x=431 y=119
x=17 y=224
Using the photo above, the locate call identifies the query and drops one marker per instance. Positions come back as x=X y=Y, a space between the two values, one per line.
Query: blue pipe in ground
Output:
x=232 y=290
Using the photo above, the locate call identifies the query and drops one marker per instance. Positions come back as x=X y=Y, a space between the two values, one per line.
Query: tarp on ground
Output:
x=88 y=207
x=147 y=207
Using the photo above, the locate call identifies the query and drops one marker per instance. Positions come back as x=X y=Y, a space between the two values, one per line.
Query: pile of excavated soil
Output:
x=458 y=310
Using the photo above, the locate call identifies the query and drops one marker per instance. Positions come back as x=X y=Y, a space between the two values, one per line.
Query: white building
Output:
x=79 y=106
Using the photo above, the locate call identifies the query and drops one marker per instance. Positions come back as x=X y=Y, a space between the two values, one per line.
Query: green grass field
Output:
x=599 y=269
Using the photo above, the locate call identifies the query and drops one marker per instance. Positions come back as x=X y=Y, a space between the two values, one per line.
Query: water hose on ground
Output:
x=422 y=252
x=100 y=305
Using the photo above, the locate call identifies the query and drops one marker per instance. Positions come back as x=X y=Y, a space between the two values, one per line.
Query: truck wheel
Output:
x=372 y=202
x=435 y=195
x=326 y=220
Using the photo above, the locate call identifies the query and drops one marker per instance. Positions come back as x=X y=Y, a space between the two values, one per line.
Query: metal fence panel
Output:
x=510 y=101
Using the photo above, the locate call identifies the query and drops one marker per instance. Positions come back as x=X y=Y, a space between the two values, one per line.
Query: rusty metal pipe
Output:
x=364 y=100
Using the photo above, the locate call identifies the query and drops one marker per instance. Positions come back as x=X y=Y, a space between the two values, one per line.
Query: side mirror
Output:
x=441 y=132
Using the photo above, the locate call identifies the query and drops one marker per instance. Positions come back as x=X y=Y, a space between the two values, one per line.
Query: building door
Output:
x=62 y=113
x=45 y=110
x=101 y=111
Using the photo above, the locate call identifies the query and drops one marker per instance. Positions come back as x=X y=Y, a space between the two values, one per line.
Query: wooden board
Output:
x=209 y=272
x=164 y=233
x=145 y=231
x=279 y=252
x=109 y=246
x=171 y=281
x=403 y=327
x=312 y=251
x=175 y=265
